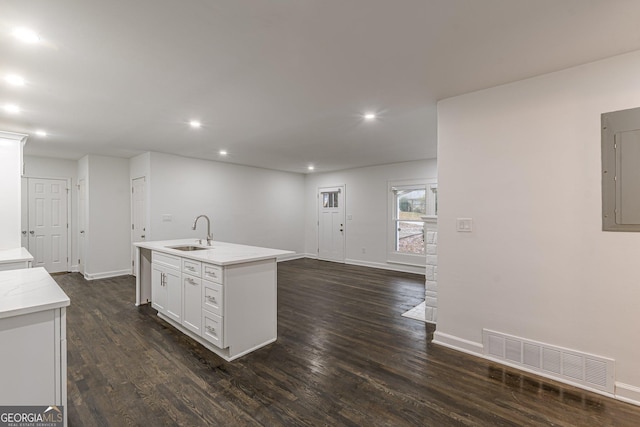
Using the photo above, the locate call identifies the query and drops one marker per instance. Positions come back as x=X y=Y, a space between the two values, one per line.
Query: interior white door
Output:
x=331 y=224
x=48 y=224
x=24 y=208
x=82 y=223
x=138 y=216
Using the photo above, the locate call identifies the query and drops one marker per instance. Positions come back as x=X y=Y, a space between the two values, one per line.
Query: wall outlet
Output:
x=349 y=217
x=464 y=225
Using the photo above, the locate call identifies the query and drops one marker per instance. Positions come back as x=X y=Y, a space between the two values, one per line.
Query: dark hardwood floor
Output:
x=344 y=356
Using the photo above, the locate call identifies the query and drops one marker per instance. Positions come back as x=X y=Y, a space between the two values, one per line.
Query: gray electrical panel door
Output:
x=621 y=170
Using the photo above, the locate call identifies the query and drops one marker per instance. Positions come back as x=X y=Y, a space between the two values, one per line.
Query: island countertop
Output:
x=219 y=253
x=29 y=290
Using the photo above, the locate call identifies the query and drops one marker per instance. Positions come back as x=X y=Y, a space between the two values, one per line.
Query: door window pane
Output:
x=330 y=199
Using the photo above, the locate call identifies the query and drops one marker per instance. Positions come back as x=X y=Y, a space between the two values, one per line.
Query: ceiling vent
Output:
x=569 y=366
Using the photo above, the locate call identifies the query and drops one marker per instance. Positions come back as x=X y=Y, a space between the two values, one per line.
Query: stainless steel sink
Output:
x=189 y=248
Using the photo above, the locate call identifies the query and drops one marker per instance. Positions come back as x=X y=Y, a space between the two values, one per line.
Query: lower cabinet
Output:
x=192 y=297
x=231 y=310
x=180 y=293
x=34 y=359
x=166 y=285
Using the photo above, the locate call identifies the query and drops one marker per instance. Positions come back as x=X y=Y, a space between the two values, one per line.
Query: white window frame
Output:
x=430 y=185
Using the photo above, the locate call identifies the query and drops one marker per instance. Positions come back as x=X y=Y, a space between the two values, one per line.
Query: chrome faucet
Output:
x=209 y=235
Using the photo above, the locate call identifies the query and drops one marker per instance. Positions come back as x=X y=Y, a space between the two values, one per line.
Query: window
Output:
x=411 y=203
x=330 y=199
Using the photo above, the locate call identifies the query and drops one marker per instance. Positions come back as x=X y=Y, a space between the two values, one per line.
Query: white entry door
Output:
x=48 y=224
x=138 y=216
x=331 y=224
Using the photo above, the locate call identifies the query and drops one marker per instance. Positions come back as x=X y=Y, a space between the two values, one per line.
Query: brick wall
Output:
x=431 y=273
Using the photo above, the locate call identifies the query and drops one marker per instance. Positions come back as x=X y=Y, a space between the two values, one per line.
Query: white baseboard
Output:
x=290 y=257
x=628 y=393
x=107 y=274
x=470 y=347
x=384 y=266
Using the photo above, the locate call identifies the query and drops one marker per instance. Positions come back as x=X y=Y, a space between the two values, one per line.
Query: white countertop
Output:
x=14 y=255
x=220 y=253
x=29 y=290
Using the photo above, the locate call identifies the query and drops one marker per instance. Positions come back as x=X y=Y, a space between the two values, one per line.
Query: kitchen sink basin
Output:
x=189 y=248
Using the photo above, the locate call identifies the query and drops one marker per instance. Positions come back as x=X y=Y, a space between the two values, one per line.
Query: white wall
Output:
x=523 y=160
x=246 y=205
x=45 y=167
x=10 y=191
x=108 y=222
x=366 y=200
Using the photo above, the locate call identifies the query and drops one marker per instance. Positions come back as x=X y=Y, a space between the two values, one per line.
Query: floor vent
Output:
x=565 y=365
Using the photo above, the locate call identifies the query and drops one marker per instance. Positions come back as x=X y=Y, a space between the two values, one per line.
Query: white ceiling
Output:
x=280 y=84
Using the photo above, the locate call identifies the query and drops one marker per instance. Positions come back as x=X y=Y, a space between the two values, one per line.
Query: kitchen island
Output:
x=224 y=296
x=33 y=336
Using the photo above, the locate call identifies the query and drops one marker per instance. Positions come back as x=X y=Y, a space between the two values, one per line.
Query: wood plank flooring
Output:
x=344 y=357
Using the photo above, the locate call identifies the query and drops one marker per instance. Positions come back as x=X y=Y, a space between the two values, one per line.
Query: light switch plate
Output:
x=464 y=225
x=167 y=217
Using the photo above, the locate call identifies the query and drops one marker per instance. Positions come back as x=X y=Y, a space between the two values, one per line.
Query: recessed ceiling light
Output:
x=26 y=35
x=223 y=152
x=370 y=116
x=14 y=79
x=195 y=124
x=41 y=133
x=11 y=108
x=311 y=167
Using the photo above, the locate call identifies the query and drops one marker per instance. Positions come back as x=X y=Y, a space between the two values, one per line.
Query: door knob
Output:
x=24 y=232
x=81 y=231
x=32 y=232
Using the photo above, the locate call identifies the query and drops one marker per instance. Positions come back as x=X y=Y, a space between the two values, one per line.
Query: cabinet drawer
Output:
x=212 y=328
x=212 y=272
x=167 y=260
x=192 y=267
x=212 y=297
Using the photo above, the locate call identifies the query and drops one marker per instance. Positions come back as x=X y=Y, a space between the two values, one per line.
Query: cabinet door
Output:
x=158 y=289
x=173 y=284
x=192 y=297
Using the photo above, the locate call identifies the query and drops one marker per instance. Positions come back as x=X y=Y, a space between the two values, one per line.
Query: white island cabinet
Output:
x=33 y=339
x=223 y=296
